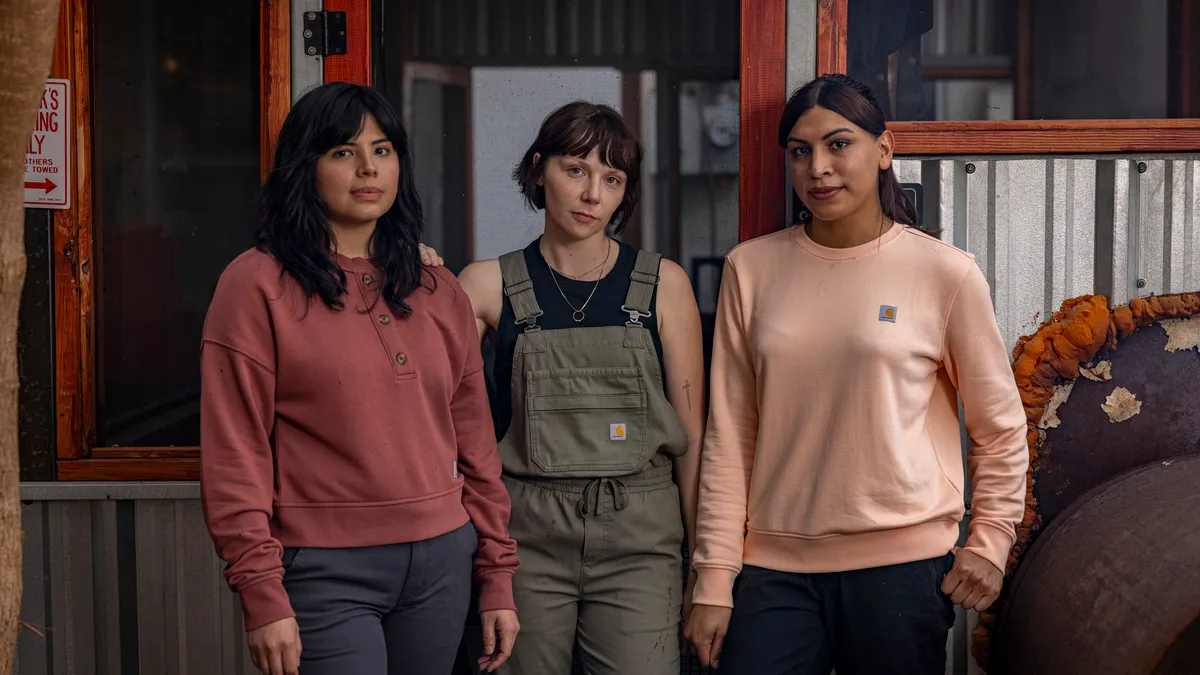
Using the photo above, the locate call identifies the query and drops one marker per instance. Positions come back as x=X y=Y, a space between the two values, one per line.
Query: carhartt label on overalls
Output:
x=616 y=432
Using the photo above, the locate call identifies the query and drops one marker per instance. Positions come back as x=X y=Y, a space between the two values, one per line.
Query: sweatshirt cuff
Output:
x=989 y=542
x=714 y=586
x=495 y=592
x=265 y=602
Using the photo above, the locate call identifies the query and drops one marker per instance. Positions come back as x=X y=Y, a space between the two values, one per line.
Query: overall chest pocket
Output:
x=587 y=421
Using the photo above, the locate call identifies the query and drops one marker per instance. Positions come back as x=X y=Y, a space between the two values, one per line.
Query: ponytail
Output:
x=896 y=204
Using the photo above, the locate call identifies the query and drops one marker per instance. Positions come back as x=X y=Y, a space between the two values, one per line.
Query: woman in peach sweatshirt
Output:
x=832 y=485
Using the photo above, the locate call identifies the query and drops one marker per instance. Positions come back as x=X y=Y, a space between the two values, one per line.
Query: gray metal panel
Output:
x=307 y=71
x=33 y=650
x=106 y=575
x=1047 y=229
x=107 y=490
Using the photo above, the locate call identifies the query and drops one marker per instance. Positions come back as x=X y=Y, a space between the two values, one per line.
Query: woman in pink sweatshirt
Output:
x=832 y=485
x=350 y=477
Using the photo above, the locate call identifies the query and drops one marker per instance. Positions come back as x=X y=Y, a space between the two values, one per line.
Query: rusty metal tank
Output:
x=1105 y=576
x=1113 y=584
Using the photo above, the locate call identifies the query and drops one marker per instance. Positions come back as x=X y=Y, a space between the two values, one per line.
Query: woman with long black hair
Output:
x=350 y=476
x=831 y=480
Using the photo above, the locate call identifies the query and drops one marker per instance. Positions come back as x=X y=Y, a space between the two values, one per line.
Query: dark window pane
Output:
x=959 y=59
x=176 y=171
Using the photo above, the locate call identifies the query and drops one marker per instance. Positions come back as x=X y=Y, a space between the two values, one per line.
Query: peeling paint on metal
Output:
x=1182 y=334
x=1121 y=405
x=1101 y=372
x=1061 y=393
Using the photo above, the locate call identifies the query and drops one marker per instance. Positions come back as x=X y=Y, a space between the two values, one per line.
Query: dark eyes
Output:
x=837 y=145
x=381 y=151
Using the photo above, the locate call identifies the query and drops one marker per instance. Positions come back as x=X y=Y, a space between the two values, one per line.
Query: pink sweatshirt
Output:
x=833 y=439
x=343 y=428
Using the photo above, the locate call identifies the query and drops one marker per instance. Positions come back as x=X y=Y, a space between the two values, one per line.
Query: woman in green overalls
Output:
x=599 y=373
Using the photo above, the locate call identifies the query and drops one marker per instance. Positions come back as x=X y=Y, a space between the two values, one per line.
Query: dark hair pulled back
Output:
x=854 y=101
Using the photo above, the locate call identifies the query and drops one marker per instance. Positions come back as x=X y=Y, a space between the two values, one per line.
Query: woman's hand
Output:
x=430 y=257
x=501 y=623
x=706 y=628
x=973 y=582
x=275 y=647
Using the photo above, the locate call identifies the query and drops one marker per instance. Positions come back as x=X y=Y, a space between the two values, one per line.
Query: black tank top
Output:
x=604 y=309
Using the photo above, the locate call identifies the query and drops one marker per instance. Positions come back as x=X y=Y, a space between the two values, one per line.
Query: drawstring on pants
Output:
x=591 y=503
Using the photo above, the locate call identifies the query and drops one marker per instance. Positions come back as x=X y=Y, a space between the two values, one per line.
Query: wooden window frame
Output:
x=74 y=241
x=762 y=177
x=1032 y=137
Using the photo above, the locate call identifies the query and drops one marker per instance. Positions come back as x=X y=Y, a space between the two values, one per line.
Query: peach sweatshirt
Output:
x=833 y=439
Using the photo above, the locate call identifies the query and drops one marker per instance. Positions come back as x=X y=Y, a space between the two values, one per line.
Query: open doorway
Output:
x=475 y=79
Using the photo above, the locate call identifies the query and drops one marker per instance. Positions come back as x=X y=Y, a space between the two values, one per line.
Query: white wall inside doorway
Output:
x=508 y=106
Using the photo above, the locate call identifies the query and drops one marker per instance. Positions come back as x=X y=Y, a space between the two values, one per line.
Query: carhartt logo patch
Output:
x=887 y=313
x=616 y=432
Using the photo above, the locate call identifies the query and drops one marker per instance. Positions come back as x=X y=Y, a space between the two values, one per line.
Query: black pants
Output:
x=382 y=610
x=890 y=620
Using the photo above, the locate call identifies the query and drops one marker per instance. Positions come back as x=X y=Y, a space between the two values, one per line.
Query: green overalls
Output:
x=595 y=510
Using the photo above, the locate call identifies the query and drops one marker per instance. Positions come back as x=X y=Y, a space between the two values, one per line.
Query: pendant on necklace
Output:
x=577 y=315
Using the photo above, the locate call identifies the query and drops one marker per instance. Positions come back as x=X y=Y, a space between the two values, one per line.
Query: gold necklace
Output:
x=577 y=316
x=579 y=277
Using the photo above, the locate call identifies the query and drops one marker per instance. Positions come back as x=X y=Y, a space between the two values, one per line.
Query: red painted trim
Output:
x=832 y=18
x=74 y=348
x=275 y=64
x=761 y=205
x=355 y=64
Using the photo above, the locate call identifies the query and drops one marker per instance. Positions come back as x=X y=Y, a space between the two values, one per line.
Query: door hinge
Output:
x=324 y=33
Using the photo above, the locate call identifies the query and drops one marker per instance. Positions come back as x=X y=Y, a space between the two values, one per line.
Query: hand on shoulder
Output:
x=429 y=256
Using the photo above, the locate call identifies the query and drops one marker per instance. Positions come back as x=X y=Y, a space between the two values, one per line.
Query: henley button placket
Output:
x=391 y=338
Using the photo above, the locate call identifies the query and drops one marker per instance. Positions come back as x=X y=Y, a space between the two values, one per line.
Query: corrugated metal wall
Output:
x=627 y=34
x=1048 y=229
x=122 y=579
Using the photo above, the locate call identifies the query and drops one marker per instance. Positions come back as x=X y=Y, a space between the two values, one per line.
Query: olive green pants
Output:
x=601 y=571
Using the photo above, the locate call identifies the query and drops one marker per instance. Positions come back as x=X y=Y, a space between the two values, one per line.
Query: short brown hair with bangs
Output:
x=573 y=131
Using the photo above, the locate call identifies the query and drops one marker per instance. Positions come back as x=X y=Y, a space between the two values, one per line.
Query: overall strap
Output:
x=519 y=289
x=642 y=282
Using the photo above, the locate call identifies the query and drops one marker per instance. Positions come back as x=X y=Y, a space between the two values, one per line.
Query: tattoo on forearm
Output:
x=687 y=389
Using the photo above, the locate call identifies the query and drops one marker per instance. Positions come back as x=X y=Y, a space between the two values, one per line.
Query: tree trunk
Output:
x=27 y=30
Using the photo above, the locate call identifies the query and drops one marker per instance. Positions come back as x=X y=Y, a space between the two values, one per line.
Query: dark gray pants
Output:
x=382 y=610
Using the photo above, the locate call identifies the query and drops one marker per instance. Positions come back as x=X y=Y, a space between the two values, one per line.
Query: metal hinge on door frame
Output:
x=324 y=33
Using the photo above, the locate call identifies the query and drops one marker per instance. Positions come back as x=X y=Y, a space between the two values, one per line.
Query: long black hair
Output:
x=854 y=101
x=293 y=226
x=574 y=130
